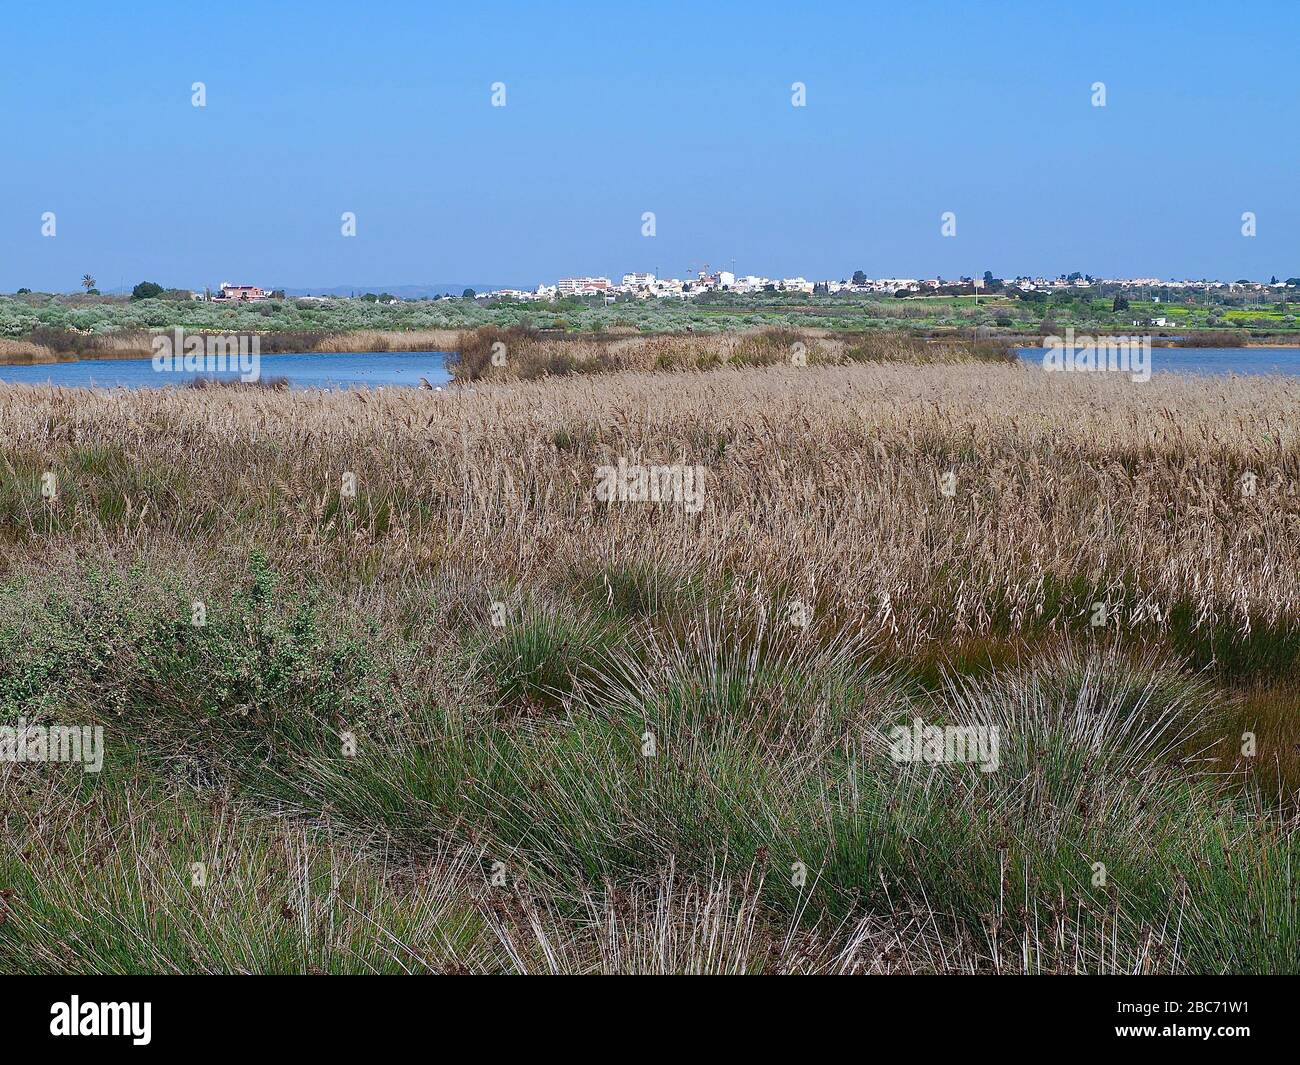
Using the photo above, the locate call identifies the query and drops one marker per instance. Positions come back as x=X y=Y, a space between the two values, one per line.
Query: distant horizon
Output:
x=457 y=287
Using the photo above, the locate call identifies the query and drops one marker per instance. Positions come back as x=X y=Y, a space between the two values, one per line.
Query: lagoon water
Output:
x=1209 y=360
x=308 y=370
x=404 y=369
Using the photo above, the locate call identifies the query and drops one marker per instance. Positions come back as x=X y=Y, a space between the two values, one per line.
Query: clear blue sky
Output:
x=383 y=109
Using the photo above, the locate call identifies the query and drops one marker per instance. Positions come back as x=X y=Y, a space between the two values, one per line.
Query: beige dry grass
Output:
x=390 y=340
x=136 y=345
x=823 y=483
x=24 y=351
x=495 y=354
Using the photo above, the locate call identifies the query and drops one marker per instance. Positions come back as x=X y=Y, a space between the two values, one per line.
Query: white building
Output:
x=583 y=286
x=638 y=282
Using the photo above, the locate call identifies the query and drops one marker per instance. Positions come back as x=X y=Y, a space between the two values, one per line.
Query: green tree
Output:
x=147 y=290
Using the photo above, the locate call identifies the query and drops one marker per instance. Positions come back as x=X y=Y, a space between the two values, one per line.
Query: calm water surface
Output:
x=309 y=370
x=1210 y=360
x=404 y=369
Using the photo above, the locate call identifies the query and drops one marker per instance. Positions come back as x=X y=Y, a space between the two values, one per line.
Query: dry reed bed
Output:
x=62 y=346
x=389 y=340
x=24 y=351
x=821 y=483
x=489 y=353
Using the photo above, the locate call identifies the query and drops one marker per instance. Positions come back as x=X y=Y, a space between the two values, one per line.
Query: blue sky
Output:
x=384 y=109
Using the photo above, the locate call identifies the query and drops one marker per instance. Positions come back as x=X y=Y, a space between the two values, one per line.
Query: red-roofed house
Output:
x=241 y=292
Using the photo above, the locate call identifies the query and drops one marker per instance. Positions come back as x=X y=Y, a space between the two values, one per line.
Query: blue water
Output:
x=1209 y=360
x=404 y=369
x=310 y=370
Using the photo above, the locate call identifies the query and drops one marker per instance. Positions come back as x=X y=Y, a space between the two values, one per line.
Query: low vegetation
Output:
x=443 y=709
x=90 y=326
